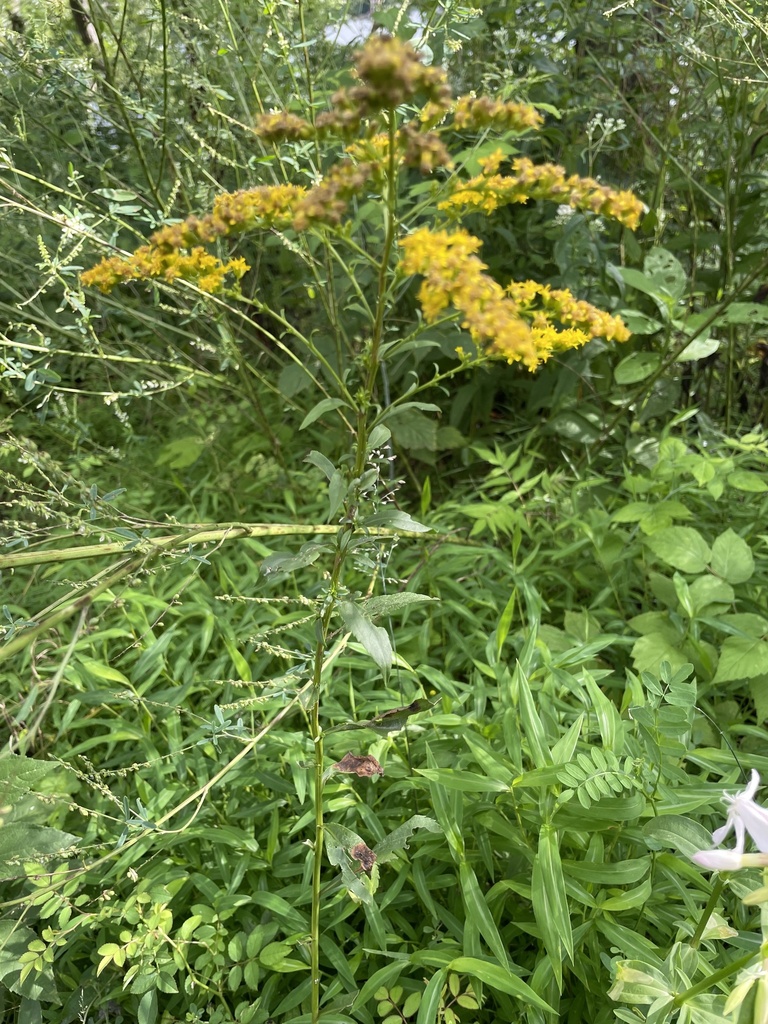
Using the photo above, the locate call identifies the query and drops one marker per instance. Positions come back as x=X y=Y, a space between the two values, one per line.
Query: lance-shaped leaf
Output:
x=387 y=721
x=374 y=639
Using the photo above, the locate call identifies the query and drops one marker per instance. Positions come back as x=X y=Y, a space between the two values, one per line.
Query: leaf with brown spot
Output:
x=364 y=855
x=362 y=765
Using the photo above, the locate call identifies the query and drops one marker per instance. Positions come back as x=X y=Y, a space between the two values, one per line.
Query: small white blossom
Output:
x=745 y=817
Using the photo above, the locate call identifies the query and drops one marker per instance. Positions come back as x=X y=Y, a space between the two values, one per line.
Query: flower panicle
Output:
x=163 y=258
x=489 y=191
x=503 y=323
x=389 y=73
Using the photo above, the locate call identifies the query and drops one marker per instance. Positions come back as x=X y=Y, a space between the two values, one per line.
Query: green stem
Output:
x=707 y=911
x=713 y=979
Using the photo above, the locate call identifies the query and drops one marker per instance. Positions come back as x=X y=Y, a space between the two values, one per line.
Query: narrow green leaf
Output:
x=477 y=910
x=499 y=978
x=430 y=1001
x=532 y=725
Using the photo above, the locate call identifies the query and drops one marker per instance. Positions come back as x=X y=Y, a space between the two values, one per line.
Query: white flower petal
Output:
x=721 y=833
x=719 y=860
x=755 y=821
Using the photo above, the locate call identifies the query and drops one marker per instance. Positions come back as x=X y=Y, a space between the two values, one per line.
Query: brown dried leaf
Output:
x=365 y=855
x=362 y=765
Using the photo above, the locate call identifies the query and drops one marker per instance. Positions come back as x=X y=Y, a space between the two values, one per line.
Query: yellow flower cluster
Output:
x=503 y=324
x=483 y=112
x=199 y=266
x=489 y=190
x=453 y=276
x=232 y=212
x=568 y=310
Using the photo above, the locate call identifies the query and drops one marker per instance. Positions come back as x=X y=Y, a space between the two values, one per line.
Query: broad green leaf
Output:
x=327 y=405
x=639 y=983
x=758 y=689
x=383 y=978
x=682 y=547
x=732 y=558
x=617 y=872
x=102 y=671
x=683 y=834
x=20 y=841
x=699 y=348
x=322 y=463
x=281 y=562
x=639 y=281
x=636 y=897
x=650 y=650
x=636 y=367
x=746 y=480
x=741 y=658
x=499 y=978
x=666 y=271
x=746 y=313
x=639 y=323
x=707 y=590
x=375 y=639
x=147 y=1011
x=19 y=775
x=412 y=429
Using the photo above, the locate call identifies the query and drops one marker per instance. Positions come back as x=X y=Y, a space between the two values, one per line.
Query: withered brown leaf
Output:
x=365 y=855
x=359 y=764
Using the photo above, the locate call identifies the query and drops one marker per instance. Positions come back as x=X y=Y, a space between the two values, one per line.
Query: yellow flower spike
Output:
x=514 y=324
x=489 y=191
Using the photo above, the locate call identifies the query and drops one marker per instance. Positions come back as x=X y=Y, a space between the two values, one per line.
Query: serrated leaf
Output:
x=682 y=547
x=741 y=657
x=732 y=558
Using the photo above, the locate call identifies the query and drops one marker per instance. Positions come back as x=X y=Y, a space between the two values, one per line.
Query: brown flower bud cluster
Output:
x=484 y=112
x=327 y=202
x=423 y=150
x=283 y=127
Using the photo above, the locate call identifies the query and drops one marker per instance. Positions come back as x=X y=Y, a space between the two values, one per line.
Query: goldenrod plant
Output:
x=379 y=132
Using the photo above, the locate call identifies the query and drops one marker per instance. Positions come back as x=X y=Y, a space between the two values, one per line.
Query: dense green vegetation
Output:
x=381 y=627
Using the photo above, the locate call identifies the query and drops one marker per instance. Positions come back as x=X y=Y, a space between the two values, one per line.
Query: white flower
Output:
x=744 y=817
